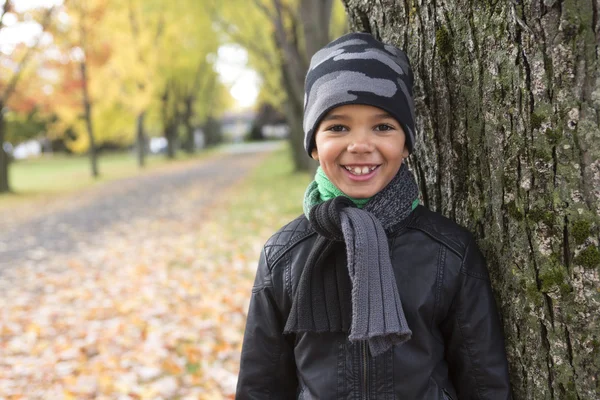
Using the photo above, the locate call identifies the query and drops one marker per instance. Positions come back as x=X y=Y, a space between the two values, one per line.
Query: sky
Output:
x=231 y=63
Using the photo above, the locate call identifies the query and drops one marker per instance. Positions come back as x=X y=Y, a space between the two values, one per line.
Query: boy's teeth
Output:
x=360 y=170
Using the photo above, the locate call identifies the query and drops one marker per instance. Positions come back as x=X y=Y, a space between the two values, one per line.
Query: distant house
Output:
x=28 y=149
x=235 y=125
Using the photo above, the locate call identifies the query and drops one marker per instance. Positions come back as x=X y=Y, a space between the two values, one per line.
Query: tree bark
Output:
x=87 y=106
x=316 y=18
x=171 y=136
x=313 y=18
x=508 y=113
x=141 y=139
x=294 y=109
x=189 y=144
x=169 y=119
x=4 y=158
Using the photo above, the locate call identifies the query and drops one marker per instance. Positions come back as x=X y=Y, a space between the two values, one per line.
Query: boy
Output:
x=369 y=295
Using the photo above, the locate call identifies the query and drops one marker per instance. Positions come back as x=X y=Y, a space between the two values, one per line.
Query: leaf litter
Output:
x=155 y=312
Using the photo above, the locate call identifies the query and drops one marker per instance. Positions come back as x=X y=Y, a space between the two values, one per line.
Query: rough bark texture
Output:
x=508 y=104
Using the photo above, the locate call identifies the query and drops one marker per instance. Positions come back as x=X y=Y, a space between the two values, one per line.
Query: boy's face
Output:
x=360 y=149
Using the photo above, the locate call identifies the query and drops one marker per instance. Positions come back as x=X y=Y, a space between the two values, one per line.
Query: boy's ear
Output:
x=405 y=152
x=314 y=154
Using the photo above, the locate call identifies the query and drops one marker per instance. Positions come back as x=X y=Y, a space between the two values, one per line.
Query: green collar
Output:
x=322 y=189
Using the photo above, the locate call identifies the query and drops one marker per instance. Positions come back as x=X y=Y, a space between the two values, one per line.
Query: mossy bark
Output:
x=508 y=113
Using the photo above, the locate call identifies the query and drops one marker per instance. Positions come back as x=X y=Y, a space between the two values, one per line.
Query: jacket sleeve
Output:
x=267 y=368
x=474 y=338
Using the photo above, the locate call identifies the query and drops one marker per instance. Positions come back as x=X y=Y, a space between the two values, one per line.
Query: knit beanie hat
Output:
x=359 y=69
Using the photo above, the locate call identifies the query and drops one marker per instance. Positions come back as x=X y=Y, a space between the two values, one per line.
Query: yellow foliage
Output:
x=132 y=50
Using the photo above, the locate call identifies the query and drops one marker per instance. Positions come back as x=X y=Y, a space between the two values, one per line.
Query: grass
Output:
x=49 y=176
x=267 y=199
x=273 y=188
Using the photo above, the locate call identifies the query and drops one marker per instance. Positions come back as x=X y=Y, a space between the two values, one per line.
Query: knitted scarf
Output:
x=357 y=294
x=322 y=189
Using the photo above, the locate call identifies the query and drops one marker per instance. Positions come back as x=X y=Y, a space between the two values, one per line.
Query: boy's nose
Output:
x=360 y=143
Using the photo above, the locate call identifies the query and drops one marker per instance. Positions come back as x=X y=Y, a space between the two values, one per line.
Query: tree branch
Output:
x=12 y=83
x=5 y=10
x=263 y=7
x=292 y=56
x=229 y=30
x=202 y=65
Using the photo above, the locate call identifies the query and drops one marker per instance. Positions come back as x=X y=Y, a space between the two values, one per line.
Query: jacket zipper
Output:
x=365 y=386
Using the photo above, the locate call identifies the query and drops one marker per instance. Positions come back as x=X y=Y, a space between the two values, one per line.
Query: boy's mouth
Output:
x=359 y=170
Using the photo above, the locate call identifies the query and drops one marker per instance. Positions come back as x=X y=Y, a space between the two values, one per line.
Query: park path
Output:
x=176 y=194
x=137 y=290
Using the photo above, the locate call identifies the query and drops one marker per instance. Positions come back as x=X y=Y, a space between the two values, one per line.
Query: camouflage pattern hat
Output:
x=359 y=69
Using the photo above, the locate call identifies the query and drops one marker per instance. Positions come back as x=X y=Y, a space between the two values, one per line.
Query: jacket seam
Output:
x=436 y=236
x=439 y=283
x=267 y=281
x=280 y=253
x=463 y=266
x=260 y=288
x=475 y=275
x=287 y=273
x=277 y=352
x=469 y=350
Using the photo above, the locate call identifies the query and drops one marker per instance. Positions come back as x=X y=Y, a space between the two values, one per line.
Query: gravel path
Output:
x=171 y=194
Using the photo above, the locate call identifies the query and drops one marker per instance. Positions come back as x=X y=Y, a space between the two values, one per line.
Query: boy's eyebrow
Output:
x=346 y=117
x=383 y=115
x=335 y=116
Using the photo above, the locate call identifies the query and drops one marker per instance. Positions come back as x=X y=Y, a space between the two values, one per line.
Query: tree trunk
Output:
x=169 y=120
x=508 y=112
x=87 y=105
x=4 y=158
x=141 y=139
x=316 y=18
x=187 y=122
x=171 y=135
x=294 y=110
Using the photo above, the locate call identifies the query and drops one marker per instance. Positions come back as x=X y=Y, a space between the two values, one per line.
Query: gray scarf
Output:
x=358 y=294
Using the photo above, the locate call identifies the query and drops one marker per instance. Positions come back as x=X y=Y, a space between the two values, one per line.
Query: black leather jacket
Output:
x=457 y=345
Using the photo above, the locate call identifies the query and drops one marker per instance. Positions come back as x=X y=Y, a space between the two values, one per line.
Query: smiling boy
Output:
x=360 y=149
x=369 y=295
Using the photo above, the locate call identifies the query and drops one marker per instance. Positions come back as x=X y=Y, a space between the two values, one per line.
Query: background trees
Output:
x=109 y=73
x=289 y=33
x=508 y=108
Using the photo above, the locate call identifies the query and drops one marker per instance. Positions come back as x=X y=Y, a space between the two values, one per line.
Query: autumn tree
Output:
x=138 y=26
x=88 y=48
x=87 y=96
x=188 y=84
x=282 y=36
x=11 y=76
x=508 y=110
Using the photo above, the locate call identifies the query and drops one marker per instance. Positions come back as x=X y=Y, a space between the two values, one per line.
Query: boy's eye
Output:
x=336 y=128
x=384 y=127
